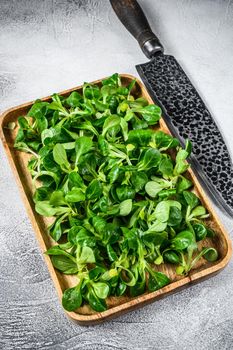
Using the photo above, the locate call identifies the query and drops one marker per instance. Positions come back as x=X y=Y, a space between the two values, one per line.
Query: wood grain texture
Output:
x=48 y=46
x=116 y=305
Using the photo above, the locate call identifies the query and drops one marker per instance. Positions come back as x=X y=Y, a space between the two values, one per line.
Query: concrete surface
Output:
x=50 y=45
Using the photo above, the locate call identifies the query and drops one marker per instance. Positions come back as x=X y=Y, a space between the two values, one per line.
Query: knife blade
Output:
x=183 y=109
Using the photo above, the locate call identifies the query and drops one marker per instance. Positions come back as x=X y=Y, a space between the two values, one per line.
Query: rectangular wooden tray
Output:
x=117 y=305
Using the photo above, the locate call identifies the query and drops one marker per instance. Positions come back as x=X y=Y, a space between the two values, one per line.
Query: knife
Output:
x=183 y=109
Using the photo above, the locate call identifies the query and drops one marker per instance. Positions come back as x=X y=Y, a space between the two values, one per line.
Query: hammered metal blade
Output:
x=188 y=117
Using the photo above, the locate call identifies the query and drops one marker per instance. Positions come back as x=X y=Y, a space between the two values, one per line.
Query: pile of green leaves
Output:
x=121 y=204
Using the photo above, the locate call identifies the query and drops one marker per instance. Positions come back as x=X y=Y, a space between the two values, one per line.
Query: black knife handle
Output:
x=133 y=18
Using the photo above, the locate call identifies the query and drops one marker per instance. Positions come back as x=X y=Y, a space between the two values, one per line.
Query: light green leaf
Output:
x=126 y=207
x=157 y=226
x=82 y=145
x=87 y=256
x=59 y=154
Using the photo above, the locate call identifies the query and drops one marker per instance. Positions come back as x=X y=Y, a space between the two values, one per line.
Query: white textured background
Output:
x=50 y=45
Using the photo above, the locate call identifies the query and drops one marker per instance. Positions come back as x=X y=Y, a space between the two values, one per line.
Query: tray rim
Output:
x=137 y=302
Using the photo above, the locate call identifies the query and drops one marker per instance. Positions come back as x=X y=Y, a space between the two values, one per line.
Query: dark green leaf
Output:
x=113 y=174
x=121 y=287
x=125 y=192
x=74 y=99
x=96 y=303
x=157 y=238
x=94 y=190
x=171 y=257
x=200 y=231
x=164 y=141
x=175 y=216
x=72 y=299
x=82 y=145
x=182 y=240
x=150 y=159
x=139 y=180
x=111 y=122
x=112 y=80
x=75 y=180
x=64 y=264
x=99 y=224
x=140 y=137
x=111 y=253
x=151 y=114
x=157 y=280
x=166 y=167
x=183 y=184
x=191 y=199
x=96 y=272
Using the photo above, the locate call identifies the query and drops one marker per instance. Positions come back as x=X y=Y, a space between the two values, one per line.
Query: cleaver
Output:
x=183 y=109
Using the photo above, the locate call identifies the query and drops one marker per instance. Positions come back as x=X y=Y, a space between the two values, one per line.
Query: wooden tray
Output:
x=117 y=305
